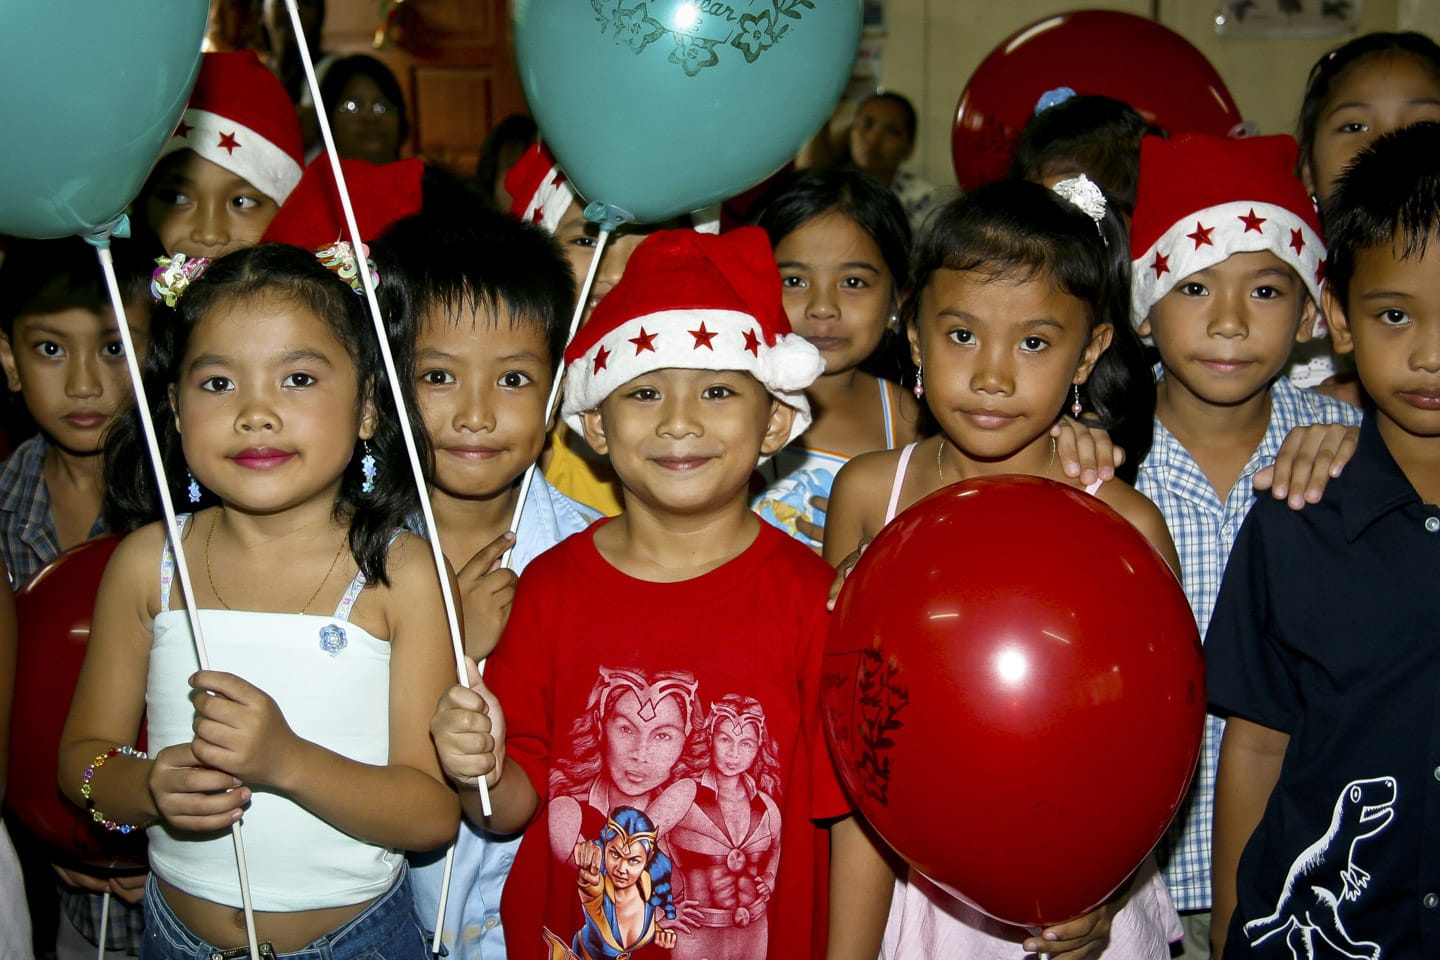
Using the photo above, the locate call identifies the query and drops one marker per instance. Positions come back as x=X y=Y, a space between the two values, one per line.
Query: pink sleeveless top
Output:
x=927 y=922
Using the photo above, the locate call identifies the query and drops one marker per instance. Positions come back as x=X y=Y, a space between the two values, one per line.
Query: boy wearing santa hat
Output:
x=660 y=670
x=1226 y=266
x=233 y=159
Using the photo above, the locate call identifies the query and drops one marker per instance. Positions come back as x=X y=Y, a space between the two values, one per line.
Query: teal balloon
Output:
x=93 y=90
x=662 y=107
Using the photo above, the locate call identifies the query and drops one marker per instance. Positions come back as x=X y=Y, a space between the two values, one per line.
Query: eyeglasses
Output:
x=378 y=108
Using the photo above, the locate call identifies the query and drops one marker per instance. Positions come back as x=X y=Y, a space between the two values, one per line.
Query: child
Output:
x=1323 y=826
x=1226 y=270
x=275 y=422
x=1373 y=84
x=1094 y=135
x=478 y=311
x=1016 y=301
x=665 y=662
x=234 y=158
x=842 y=243
x=543 y=196
x=62 y=352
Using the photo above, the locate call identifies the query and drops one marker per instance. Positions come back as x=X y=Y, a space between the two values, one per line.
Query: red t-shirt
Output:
x=673 y=733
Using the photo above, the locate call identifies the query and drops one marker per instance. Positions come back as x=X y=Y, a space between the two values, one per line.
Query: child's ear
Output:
x=1144 y=329
x=1309 y=317
x=1100 y=339
x=595 y=431
x=7 y=359
x=778 y=427
x=912 y=334
x=1343 y=341
x=369 y=418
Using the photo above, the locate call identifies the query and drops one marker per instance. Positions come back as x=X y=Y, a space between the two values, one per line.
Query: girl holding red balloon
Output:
x=1012 y=322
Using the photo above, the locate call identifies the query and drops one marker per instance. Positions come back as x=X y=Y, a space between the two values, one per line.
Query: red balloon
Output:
x=54 y=609
x=1012 y=674
x=1120 y=55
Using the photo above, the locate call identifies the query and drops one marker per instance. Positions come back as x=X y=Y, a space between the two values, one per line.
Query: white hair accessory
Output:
x=1083 y=192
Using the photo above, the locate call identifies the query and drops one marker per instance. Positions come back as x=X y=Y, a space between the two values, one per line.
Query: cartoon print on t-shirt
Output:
x=727 y=846
x=1325 y=875
x=624 y=882
x=705 y=784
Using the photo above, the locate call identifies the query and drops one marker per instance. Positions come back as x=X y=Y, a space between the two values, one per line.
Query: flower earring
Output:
x=919 y=387
x=368 y=470
x=193 y=490
x=1077 y=406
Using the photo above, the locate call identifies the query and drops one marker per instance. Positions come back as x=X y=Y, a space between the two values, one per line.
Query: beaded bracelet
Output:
x=89 y=774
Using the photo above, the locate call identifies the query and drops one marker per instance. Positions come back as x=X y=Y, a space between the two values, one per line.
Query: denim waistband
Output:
x=386 y=928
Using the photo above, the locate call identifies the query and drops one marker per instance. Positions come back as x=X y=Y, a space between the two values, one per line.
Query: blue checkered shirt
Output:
x=1204 y=529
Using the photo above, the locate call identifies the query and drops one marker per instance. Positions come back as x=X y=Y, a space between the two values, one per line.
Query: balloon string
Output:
x=104 y=925
x=172 y=531
x=550 y=404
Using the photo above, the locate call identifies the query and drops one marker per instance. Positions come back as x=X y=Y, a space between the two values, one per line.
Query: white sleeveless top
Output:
x=331 y=679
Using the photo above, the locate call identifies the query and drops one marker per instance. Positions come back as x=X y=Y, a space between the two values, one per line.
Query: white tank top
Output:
x=331 y=679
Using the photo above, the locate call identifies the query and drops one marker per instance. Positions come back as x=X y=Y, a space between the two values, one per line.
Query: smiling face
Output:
x=1226 y=332
x=268 y=405
x=70 y=366
x=481 y=383
x=1371 y=97
x=685 y=442
x=200 y=209
x=1392 y=323
x=838 y=292
x=999 y=354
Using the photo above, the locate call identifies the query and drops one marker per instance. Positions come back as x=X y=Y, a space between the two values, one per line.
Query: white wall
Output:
x=934 y=45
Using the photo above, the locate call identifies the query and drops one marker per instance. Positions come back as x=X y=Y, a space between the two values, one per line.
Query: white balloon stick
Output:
x=172 y=531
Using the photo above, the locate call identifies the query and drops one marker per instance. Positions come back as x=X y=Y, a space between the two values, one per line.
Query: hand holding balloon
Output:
x=240 y=730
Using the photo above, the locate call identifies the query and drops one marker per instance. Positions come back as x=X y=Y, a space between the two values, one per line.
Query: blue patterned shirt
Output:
x=1204 y=529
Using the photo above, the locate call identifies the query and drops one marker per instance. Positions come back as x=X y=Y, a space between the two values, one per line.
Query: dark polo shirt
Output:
x=1326 y=629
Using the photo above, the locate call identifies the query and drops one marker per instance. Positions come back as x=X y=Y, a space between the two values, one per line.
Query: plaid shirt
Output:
x=1204 y=529
x=28 y=541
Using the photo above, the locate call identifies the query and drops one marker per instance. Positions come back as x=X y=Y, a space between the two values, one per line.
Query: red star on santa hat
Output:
x=702 y=337
x=752 y=342
x=646 y=341
x=1320 y=272
x=1252 y=222
x=182 y=130
x=228 y=142
x=600 y=357
x=1201 y=236
x=1297 y=241
x=1160 y=265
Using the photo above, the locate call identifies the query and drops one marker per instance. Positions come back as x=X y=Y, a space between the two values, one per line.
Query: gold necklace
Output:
x=940 y=465
x=215 y=590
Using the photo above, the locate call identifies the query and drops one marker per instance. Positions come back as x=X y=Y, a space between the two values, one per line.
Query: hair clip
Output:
x=1051 y=98
x=1083 y=193
x=340 y=257
x=173 y=275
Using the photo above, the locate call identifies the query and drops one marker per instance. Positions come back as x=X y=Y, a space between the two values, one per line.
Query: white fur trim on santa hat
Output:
x=693 y=340
x=239 y=149
x=1215 y=234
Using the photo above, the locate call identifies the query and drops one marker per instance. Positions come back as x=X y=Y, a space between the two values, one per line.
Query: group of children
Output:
x=647 y=723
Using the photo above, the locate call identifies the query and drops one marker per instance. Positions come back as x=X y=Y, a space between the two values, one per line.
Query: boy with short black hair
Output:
x=1325 y=827
x=1226 y=260
x=662 y=744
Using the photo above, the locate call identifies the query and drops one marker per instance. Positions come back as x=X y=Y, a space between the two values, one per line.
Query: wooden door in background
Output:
x=455 y=60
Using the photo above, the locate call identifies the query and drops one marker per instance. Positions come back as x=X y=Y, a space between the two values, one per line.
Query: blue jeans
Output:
x=385 y=930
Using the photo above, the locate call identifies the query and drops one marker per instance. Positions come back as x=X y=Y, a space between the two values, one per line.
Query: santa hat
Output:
x=1202 y=199
x=240 y=118
x=541 y=193
x=697 y=302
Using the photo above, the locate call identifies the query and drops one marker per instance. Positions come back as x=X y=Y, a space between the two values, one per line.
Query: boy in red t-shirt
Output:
x=661 y=742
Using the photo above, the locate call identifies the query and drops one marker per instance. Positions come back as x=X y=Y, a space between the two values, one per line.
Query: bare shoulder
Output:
x=135 y=564
x=1142 y=514
x=410 y=567
x=869 y=467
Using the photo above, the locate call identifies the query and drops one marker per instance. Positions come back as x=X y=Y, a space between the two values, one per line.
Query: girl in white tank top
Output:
x=1019 y=295
x=311 y=726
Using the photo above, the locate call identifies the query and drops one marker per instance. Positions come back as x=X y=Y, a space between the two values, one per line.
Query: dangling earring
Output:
x=1077 y=406
x=919 y=387
x=193 y=490
x=367 y=470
